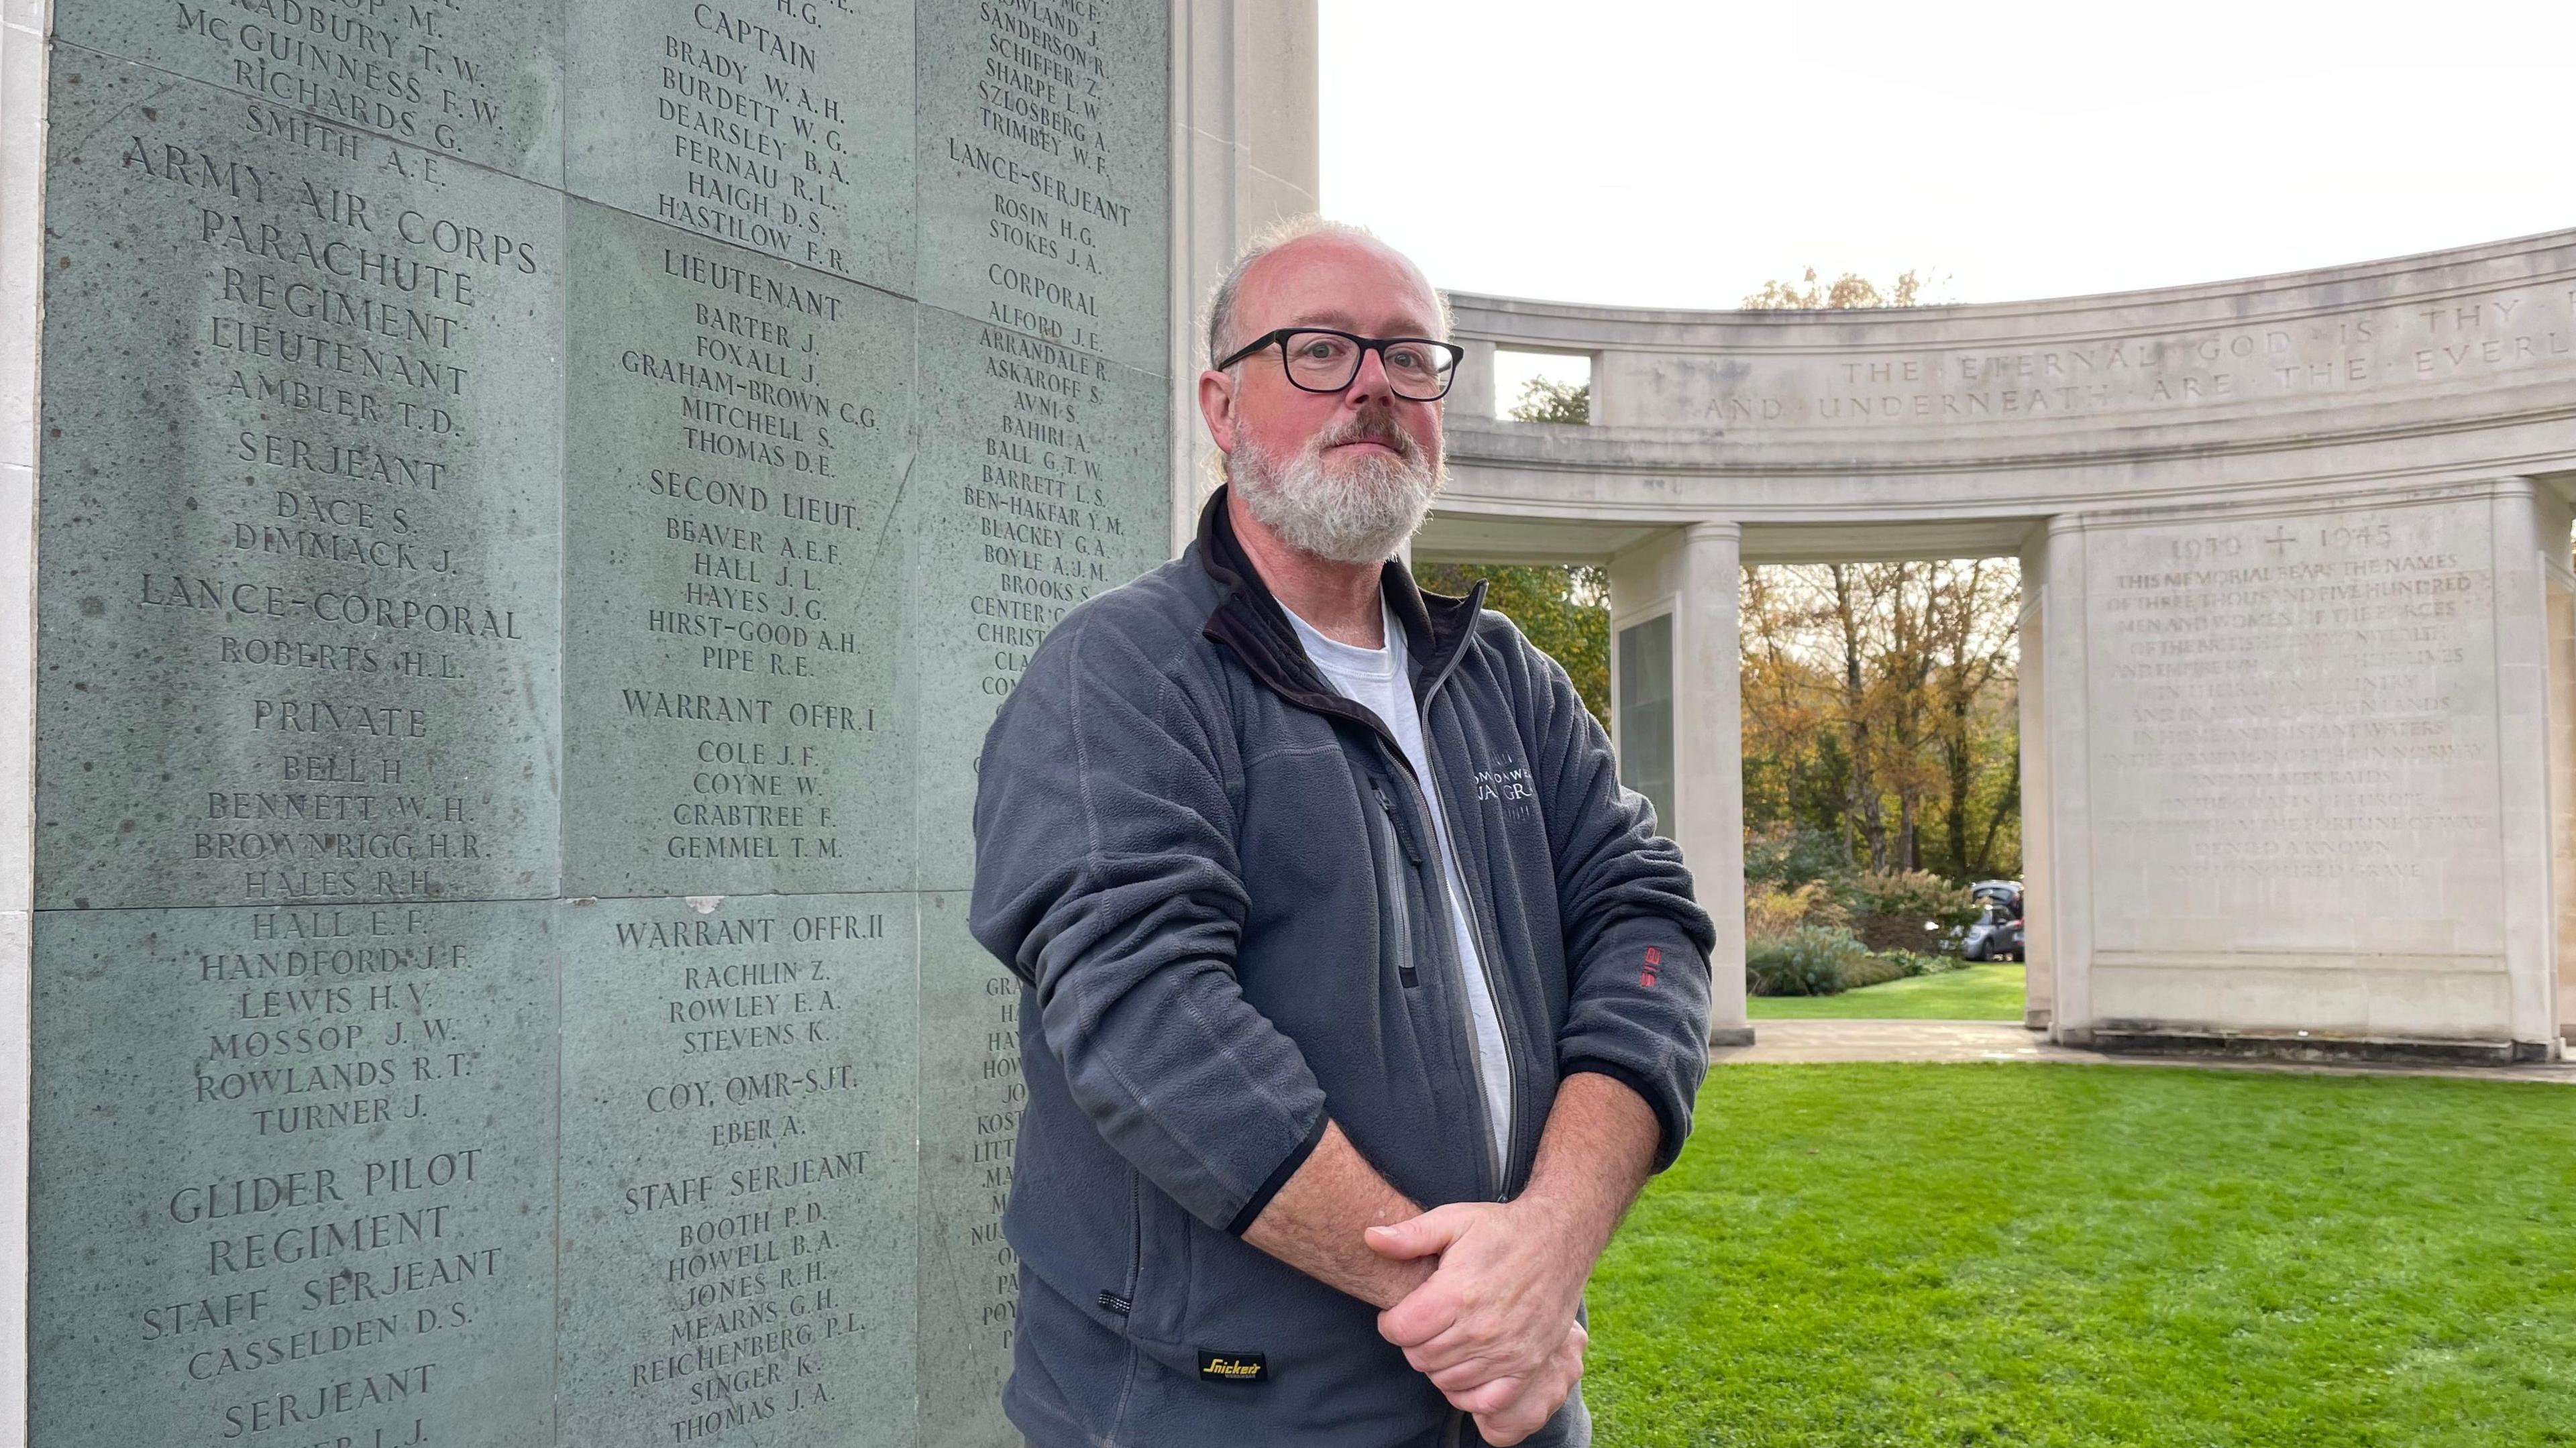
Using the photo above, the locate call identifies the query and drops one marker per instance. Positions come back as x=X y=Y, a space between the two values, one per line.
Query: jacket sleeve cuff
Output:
x=1278 y=1177
x=1671 y=1127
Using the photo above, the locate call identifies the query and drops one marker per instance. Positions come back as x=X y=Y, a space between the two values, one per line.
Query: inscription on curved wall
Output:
x=2489 y=337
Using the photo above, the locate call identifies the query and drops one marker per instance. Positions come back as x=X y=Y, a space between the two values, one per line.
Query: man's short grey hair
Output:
x=1220 y=333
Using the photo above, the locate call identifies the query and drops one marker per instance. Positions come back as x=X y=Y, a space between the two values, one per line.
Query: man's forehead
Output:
x=1340 y=282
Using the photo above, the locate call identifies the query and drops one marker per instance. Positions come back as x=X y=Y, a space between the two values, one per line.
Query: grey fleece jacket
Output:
x=1219 y=882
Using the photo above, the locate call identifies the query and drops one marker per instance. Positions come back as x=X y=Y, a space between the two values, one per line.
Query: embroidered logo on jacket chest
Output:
x=1505 y=784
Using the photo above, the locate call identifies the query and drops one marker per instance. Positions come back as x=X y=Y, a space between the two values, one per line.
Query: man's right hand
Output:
x=1510 y=1409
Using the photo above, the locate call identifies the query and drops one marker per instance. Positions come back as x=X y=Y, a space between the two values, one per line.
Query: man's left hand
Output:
x=1498 y=1306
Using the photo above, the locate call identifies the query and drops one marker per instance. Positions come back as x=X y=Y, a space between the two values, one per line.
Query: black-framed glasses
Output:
x=1319 y=359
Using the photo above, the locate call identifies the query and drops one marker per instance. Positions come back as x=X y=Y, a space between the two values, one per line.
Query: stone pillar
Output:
x=2038 y=936
x=2560 y=589
x=22 y=162
x=1708 y=755
x=1626 y=389
x=1692 y=574
x=2530 y=542
x=1244 y=123
x=2061 y=898
x=1472 y=394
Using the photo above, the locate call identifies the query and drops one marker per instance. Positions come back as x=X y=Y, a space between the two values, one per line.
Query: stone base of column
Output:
x=2036 y=1020
x=1730 y=1035
x=2254 y=1046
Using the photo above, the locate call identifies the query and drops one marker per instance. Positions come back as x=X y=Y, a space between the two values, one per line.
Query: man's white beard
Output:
x=1360 y=512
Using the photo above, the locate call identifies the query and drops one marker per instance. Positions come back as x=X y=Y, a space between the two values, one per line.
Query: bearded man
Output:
x=1361 y=998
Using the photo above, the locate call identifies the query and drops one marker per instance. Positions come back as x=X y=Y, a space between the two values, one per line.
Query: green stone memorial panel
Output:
x=738 y=432
x=971 y=1096
x=1041 y=483
x=538 y=507
x=299 y=545
x=785 y=128
x=1046 y=171
x=478 y=80
x=739 y=1179
x=294 y=1176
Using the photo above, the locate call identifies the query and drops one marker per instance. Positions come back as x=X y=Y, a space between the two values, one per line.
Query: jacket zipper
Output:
x=1484 y=948
x=1136 y=1244
x=1397 y=837
x=1435 y=894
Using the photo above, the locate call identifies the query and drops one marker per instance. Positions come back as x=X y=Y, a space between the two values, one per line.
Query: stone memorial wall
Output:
x=2297 y=712
x=539 y=503
x=2293 y=734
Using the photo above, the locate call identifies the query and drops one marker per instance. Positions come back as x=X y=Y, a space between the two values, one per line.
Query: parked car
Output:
x=1996 y=934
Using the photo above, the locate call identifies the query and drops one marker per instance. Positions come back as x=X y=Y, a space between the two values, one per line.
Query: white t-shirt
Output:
x=1377 y=679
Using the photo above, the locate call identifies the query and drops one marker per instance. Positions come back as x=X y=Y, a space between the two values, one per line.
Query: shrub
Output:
x=1889 y=909
x=1806 y=960
x=1784 y=855
x=1874 y=970
x=1770 y=914
x=1915 y=962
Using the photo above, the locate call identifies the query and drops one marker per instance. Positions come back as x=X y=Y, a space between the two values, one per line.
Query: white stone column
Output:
x=1708 y=754
x=2039 y=957
x=22 y=162
x=2062 y=908
x=2559 y=589
x=2522 y=760
x=1243 y=156
x=1693 y=573
x=1471 y=393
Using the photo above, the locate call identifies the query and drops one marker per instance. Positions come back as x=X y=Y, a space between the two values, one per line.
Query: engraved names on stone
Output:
x=971 y=1100
x=1044 y=171
x=1044 y=487
x=1044 y=216
x=782 y=127
x=423 y=545
x=740 y=1186
x=337 y=1169
x=476 y=79
x=305 y=531
x=739 y=433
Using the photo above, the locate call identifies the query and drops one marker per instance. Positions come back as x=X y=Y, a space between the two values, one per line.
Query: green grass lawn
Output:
x=1978 y=993
x=2080 y=1255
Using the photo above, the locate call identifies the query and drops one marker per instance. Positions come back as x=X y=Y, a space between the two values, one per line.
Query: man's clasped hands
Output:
x=1493 y=1323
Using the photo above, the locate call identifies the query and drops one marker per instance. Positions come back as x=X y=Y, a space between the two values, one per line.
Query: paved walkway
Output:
x=1796 y=1042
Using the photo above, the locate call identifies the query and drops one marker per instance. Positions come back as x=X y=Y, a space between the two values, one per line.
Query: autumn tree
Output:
x=1545 y=399
x=1563 y=608
x=1880 y=712
x=1848 y=291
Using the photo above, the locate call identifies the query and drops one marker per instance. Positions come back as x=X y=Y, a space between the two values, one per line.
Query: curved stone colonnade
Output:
x=2299 y=627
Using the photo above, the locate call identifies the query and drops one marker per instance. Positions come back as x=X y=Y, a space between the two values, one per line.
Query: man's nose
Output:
x=1370 y=382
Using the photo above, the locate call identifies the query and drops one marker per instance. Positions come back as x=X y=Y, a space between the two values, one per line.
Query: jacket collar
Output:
x=1251 y=622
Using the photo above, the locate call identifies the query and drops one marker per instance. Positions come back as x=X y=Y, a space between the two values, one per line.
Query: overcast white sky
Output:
x=1675 y=153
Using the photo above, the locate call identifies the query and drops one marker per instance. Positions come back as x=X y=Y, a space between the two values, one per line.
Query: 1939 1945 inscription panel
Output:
x=301 y=428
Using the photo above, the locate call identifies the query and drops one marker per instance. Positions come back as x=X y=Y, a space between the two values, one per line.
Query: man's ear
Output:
x=1216 y=407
